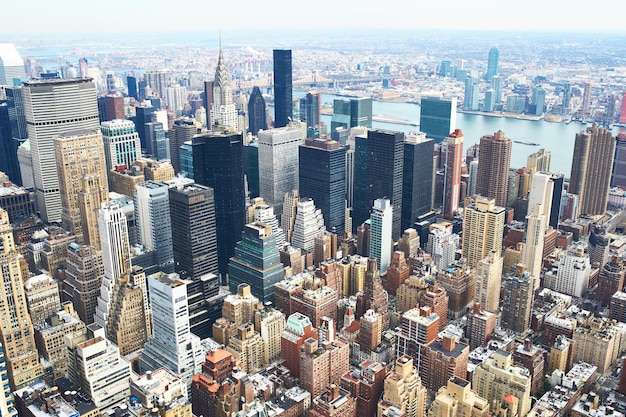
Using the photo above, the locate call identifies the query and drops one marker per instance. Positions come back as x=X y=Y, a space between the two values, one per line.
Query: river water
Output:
x=557 y=138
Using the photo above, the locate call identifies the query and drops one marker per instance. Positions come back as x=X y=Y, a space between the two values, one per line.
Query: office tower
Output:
x=251 y=158
x=322 y=177
x=325 y=248
x=298 y=328
x=442 y=244
x=452 y=156
x=538 y=161
x=611 y=279
x=419 y=326
x=217 y=159
x=176 y=98
x=381 y=224
x=79 y=111
x=492 y=64
x=618 y=176
x=472 y=91
x=532 y=254
x=84 y=273
x=489 y=100
x=143 y=115
x=457 y=399
x=488 y=281
x=278 y=164
x=417 y=178
x=398 y=272
x=269 y=323
x=353 y=112
x=483 y=225
x=567 y=93
x=480 y=326
x=8 y=146
x=334 y=402
x=11 y=64
x=257 y=112
x=194 y=236
x=599 y=246
x=404 y=390
x=517 y=297
x=538 y=101
x=256 y=262
x=265 y=214
x=288 y=218
x=574 y=269
x=114 y=107
x=131 y=82
x=493 y=168
x=379 y=159
x=459 y=281
x=248 y=348
x=541 y=193
x=437 y=117
x=42 y=298
x=96 y=366
x=584 y=107
x=237 y=309
x=308 y=223
x=442 y=360
x=157 y=80
x=409 y=243
x=311 y=109
x=82 y=180
x=374 y=297
x=152 y=213
x=18 y=342
x=282 y=87
x=496 y=84
x=591 y=169
x=182 y=130
x=121 y=143
x=186 y=160
x=223 y=110
x=171 y=344
x=159 y=146
x=496 y=377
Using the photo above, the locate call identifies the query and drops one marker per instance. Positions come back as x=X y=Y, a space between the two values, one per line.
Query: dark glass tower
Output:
x=218 y=163
x=251 y=151
x=257 y=113
x=322 y=177
x=417 y=187
x=132 y=87
x=194 y=236
x=492 y=64
x=310 y=109
x=283 y=106
x=557 y=193
x=437 y=117
x=143 y=115
x=352 y=112
x=378 y=174
x=256 y=262
x=8 y=147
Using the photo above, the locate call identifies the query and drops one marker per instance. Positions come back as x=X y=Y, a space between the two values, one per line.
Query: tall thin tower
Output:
x=452 y=151
x=223 y=110
x=283 y=95
x=492 y=63
x=76 y=109
x=493 y=167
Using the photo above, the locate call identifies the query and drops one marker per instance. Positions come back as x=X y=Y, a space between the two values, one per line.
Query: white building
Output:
x=265 y=214
x=532 y=254
x=574 y=269
x=122 y=145
x=442 y=245
x=309 y=223
x=223 y=108
x=11 y=64
x=381 y=228
x=176 y=98
x=152 y=216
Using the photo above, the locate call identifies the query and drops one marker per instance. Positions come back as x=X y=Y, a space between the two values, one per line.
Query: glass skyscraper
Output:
x=437 y=117
x=283 y=94
x=417 y=187
x=492 y=64
x=257 y=113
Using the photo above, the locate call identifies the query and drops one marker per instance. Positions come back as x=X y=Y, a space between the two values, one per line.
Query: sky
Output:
x=46 y=17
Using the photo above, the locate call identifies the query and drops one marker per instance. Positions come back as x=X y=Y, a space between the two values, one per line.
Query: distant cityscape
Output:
x=227 y=228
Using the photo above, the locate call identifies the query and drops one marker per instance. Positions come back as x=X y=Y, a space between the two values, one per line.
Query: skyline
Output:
x=556 y=16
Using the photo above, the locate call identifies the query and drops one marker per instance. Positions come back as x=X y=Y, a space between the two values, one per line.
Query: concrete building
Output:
x=269 y=323
x=574 y=270
x=597 y=342
x=404 y=390
x=152 y=214
x=308 y=223
x=410 y=292
x=122 y=145
x=459 y=281
x=489 y=281
x=84 y=273
x=457 y=399
x=493 y=167
x=42 y=297
x=418 y=327
x=517 y=296
x=483 y=226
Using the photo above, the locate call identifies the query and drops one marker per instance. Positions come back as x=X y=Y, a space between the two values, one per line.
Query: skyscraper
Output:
x=592 y=162
x=492 y=64
x=223 y=110
x=532 y=254
x=618 y=176
x=483 y=226
x=322 y=177
x=217 y=163
x=16 y=330
x=379 y=159
x=517 y=299
x=182 y=130
x=114 y=239
x=158 y=81
x=584 y=107
x=257 y=112
x=79 y=111
x=122 y=145
x=472 y=90
x=11 y=64
x=493 y=167
x=381 y=224
x=417 y=178
x=84 y=272
x=278 y=164
x=308 y=223
x=437 y=117
x=152 y=214
x=283 y=106
x=351 y=112
x=256 y=262
x=310 y=109
x=194 y=235
x=452 y=155
x=8 y=147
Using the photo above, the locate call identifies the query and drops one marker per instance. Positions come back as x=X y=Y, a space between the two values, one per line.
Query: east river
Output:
x=557 y=138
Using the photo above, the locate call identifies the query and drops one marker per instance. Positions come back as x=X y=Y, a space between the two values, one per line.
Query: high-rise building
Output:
x=171 y=344
x=488 y=281
x=611 y=279
x=8 y=146
x=79 y=111
x=457 y=399
x=223 y=110
x=84 y=272
x=532 y=254
x=417 y=178
x=256 y=262
x=182 y=130
x=133 y=90
x=7 y=407
x=496 y=84
x=517 y=300
x=574 y=269
x=496 y=377
x=618 y=176
x=18 y=341
x=278 y=164
x=541 y=192
x=322 y=177
x=311 y=109
x=152 y=214
x=308 y=223
x=480 y=326
x=283 y=95
x=492 y=64
x=442 y=360
x=539 y=101
x=82 y=180
x=437 y=117
x=419 y=326
x=442 y=244
x=379 y=159
x=493 y=167
x=459 y=281
x=452 y=155
x=42 y=298
x=472 y=90
x=334 y=402
x=398 y=272
x=353 y=112
x=121 y=143
x=217 y=163
x=410 y=292
x=595 y=343
x=269 y=323
x=265 y=214
x=483 y=226
x=11 y=64
x=381 y=224
x=257 y=112
x=404 y=390
x=194 y=236
x=538 y=161
x=584 y=107
x=592 y=162
x=297 y=329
